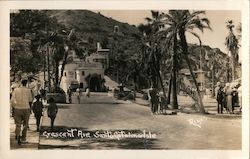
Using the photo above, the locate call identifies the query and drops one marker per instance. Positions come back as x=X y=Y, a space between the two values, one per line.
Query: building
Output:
x=85 y=73
x=98 y=58
x=199 y=75
x=91 y=75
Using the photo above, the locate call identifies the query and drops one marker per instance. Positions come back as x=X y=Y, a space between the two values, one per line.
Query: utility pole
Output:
x=213 y=74
x=44 y=68
x=48 y=66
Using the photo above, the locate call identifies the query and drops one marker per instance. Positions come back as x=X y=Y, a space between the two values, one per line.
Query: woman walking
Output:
x=229 y=98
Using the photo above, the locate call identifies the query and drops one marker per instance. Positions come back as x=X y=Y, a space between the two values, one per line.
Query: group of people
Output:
x=78 y=94
x=22 y=104
x=227 y=97
x=156 y=101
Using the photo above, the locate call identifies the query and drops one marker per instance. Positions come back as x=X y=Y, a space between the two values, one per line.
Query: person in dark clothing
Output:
x=153 y=99
x=38 y=110
x=69 y=95
x=235 y=98
x=52 y=112
x=220 y=100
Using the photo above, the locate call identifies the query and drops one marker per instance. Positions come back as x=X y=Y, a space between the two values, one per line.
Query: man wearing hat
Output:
x=219 y=94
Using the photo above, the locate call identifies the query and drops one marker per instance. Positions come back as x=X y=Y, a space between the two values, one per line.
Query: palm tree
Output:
x=179 y=23
x=232 y=46
x=151 y=29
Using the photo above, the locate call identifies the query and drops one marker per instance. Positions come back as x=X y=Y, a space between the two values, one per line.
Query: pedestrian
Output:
x=21 y=100
x=220 y=98
x=52 y=112
x=161 y=103
x=234 y=97
x=12 y=104
x=229 y=98
x=239 y=90
x=38 y=111
x=216 y=89
x=88 y=92
x=69 y=92
x=153 y=99
x=79 y=94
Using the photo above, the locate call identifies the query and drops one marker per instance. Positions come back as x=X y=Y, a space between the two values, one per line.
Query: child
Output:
x=37 y=110
x=52 y=111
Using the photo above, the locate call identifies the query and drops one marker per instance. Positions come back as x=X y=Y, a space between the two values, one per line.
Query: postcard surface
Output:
x=147 y=79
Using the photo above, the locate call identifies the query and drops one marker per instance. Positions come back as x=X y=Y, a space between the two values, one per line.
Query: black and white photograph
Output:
x=123 y=79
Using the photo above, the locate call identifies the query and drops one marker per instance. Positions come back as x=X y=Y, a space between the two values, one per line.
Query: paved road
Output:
x=100 y=122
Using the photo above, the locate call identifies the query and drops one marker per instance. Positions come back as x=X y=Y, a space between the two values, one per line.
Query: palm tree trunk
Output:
x=185 y=53
x=157 y=70
x=169 y=89
x=232 y=66
x=174 y=74
x=56 y=74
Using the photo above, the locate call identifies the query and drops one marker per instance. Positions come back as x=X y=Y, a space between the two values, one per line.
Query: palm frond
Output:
x=197 y=36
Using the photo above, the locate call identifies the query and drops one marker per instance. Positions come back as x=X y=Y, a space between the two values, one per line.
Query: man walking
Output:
x=21 y=100
x=220 y=98
x=153 y=99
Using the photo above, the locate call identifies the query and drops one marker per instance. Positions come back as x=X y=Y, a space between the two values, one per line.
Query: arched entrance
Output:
x=94 y=84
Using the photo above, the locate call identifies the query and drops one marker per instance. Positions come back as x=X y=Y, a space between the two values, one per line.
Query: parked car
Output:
x=57 y=94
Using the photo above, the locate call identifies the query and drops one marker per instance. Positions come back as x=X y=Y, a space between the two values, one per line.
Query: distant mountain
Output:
x=91 y=25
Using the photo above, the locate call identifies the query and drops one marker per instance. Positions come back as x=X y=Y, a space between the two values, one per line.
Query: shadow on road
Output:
x=94 y=141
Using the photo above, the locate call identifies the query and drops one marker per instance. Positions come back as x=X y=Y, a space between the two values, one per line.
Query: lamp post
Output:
x=48 y=68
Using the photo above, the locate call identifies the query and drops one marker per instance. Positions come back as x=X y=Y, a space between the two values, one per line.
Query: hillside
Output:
x=90 y=25
x=94 y=27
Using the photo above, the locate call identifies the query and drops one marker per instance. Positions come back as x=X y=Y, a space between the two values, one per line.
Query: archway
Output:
x=94 y=84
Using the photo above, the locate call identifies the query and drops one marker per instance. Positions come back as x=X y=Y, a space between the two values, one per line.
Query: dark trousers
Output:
x=38 y=119
x=219 y=108
x=52 y=120
x=21 y=117
x=154 y=106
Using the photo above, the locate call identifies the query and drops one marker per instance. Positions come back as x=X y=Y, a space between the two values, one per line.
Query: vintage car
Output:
x=57 y=94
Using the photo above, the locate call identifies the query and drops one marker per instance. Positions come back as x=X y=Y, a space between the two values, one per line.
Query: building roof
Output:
x=90 y=66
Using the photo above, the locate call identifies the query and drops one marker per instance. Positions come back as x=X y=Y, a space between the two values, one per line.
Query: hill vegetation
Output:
x=126 y=45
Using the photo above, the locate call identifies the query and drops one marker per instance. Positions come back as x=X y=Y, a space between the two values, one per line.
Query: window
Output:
x=83 y=73
x=75 y=75
x=65 y=74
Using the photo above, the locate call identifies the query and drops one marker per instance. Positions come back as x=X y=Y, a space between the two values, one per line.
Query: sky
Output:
x=214 y=38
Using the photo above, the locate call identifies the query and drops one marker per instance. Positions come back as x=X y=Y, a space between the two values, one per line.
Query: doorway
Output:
x=94 y=84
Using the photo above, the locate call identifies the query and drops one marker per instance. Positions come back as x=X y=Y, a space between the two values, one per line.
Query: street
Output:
x=102 y=115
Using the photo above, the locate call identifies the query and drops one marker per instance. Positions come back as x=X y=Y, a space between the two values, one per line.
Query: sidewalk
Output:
x=185 y=103
x=32 y=135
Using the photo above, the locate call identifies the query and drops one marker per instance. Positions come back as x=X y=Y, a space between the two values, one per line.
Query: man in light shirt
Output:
x=21 y=100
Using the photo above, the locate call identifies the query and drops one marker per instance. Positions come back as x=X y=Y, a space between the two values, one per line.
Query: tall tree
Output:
x=232 y=46
x=151 y=29
x=186 y=22
x=178 y=23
